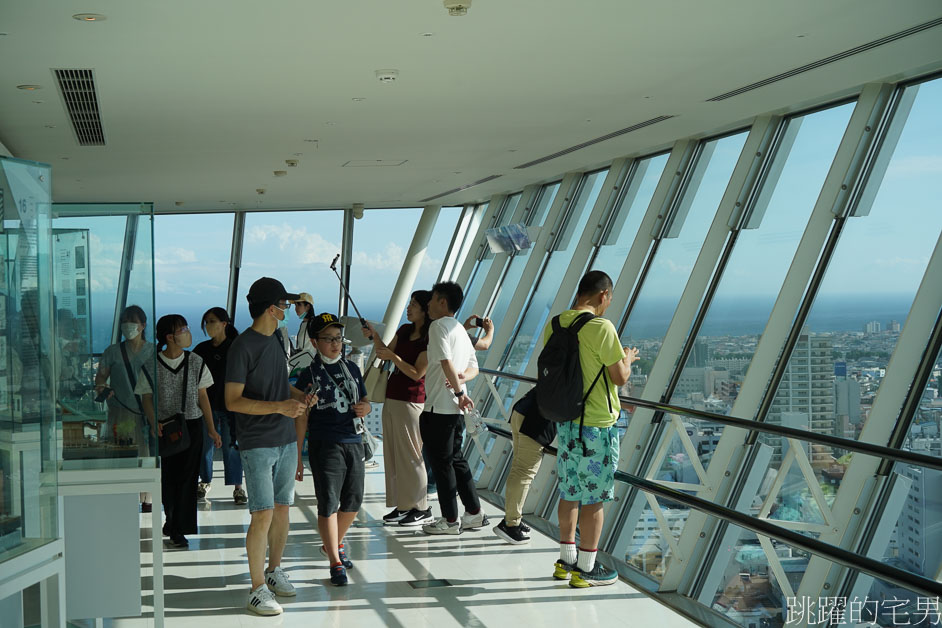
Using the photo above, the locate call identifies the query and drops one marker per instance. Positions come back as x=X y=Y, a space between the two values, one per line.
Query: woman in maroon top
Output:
x=406 y=480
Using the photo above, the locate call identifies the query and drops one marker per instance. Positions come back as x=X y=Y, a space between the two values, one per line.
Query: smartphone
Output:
x=103 y=395
x=478 y=321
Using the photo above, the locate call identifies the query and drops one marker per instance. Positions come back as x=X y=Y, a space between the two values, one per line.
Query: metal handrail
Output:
x=870 y=566
x=865 y=448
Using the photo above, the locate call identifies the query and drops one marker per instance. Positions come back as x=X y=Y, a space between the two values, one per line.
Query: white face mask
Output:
x=130 y=330
x=327 y=360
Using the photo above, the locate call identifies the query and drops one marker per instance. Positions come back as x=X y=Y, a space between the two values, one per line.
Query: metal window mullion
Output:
x=124 y=274
x=477 y=239
x=454 y=244
x=346 y=260
x=495 y=272
x=235 y=262
x=638 y=258
x=853 y=504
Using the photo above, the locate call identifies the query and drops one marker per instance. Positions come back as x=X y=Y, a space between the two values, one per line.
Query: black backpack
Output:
x=559 y=380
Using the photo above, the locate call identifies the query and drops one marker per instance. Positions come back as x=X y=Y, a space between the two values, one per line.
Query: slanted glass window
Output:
x=295 y=248
x=681 y=240
x=610 y=256
x=481 y=268
x=437 y=249
x=535 y=314
x=192 y=254
x=380 y=242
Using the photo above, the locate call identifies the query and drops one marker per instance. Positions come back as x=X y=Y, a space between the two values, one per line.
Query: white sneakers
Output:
x=277 y=581
x=473 y=522
x=468 y=522
x=262 y=599
x=441 y=526
x=262 y=602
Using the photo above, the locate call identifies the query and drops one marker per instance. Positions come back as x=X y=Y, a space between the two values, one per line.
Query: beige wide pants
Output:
x=406 y=480
x=527 y=456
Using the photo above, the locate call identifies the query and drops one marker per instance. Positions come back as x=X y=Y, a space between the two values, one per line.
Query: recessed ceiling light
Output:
x=89 y=17
x=387 y=76
x=259 y=190
x=358 y=99
x=300 y=154
x=49 y=126
x=330 y=123
x=64 y=158
x=311 y=141
x=280 y=173
x=37 y=102
x=178 y=203
x=428 y=34
x=29 y=88
x=4 y=34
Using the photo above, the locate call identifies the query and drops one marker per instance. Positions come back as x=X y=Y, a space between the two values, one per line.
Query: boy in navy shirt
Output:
x=335 y=447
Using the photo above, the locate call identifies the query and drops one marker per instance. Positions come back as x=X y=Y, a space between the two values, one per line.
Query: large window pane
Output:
x=483 y=266
x=380 y=242
x=437 y=248
x=713 y=374
x=296 y=248
x=192 y=253
x=612 y=253
x=679 y=247
x=529 y=332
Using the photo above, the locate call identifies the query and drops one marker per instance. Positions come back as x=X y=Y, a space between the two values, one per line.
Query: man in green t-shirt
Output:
x=586 y=462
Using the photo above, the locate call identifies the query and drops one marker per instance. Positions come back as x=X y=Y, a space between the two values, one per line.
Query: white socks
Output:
x=586 y=560
x=567 y=553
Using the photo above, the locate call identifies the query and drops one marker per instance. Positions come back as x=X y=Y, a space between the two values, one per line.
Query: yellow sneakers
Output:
x=562 y=570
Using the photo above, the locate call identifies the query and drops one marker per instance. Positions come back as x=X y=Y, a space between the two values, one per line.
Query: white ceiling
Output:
x=201 y=101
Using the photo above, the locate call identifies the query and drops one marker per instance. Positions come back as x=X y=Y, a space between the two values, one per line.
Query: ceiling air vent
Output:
x=613 y=134
x=80 y=95
x=463 y=187
x=825 y=61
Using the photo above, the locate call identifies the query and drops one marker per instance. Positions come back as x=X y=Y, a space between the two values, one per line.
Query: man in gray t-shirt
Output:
x=265 y=406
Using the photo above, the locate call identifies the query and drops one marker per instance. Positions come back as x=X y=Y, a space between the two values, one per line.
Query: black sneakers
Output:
x=416 y=517
x=515 y=535
x=394 y=517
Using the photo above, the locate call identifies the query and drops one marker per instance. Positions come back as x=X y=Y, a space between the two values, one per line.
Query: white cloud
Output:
x=391 y=257
x=296 y=242
x=174 y=255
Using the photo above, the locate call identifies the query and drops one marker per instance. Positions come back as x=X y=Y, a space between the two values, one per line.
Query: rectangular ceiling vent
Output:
x=80 y=95
x=613 y=134
x=463 y=187
x=825 y=61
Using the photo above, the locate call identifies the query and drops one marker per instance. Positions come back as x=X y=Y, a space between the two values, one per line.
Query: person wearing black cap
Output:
x=335 y=446
x=265 y=406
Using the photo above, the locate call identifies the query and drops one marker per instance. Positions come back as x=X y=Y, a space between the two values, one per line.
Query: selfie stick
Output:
x=333 y=267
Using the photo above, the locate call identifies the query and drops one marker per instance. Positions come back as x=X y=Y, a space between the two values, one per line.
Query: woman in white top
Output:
x=304 y=352
x=181 y=383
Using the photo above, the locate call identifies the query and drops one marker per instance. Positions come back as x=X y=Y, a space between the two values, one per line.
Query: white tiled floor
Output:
x=492 y=583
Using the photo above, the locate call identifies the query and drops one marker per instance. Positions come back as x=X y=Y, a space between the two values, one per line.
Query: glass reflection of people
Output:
x=120 y=369
x=181 y=387
x=215 y=351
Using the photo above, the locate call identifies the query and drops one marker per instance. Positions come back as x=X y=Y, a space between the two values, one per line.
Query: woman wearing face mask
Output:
x=217 y=325
x=303 y=351
x=406 y=478
x=182 y=380
x=118 y=373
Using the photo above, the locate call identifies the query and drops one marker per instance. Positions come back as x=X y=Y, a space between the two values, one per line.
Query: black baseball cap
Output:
x=321 y=322
x=268 y=290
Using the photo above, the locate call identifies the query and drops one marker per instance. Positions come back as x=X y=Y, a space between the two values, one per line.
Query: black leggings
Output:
x=179 y=475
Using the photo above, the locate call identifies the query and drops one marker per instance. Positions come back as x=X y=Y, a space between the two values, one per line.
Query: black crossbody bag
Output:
x=175 y=437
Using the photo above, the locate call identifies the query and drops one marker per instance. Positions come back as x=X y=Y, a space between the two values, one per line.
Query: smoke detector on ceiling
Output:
x=387 y=76
x=357 y=210
x=457 y=7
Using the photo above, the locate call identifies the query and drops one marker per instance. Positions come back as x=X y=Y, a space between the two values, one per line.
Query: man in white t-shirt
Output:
x=451 y=361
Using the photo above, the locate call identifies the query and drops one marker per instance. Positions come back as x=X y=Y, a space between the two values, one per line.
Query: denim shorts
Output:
x=269 y=475
x=588 y=479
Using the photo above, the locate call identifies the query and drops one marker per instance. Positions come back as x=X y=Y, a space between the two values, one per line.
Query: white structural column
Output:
x=642 y=435
x=494 y=273
x=725 y=469
x=410 y=269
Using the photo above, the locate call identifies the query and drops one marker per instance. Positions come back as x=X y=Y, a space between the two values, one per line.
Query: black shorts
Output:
x=338 y=474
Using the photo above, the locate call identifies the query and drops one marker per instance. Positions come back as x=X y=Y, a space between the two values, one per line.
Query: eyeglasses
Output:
x=334 y=340
x=182 y=330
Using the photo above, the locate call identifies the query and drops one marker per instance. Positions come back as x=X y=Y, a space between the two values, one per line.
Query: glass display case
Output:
x=28 y=365
x=103 y=267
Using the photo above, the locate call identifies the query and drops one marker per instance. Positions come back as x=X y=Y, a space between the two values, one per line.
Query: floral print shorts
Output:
x=587 y=476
